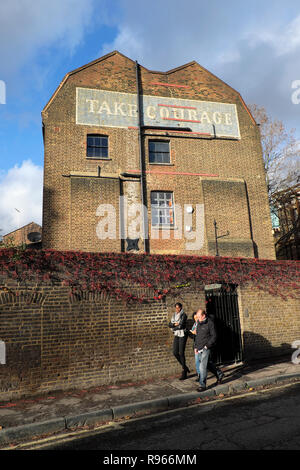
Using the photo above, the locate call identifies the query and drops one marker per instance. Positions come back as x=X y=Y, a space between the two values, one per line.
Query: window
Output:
x=159 y=151
x=97 y=146
x=162 y=209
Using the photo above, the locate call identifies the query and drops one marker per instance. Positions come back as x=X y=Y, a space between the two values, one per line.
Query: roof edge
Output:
x=110 y=54
x=78 y=69
x=233 y=89
x=20 y=228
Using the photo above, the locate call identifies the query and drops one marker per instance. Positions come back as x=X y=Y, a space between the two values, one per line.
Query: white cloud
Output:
x=132 y=41
x=285 y=39
x=20 y=188
x=29 y=26
x=253 y=46
x=171 y=33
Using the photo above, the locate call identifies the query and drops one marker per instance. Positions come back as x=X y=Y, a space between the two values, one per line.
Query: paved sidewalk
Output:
x=59 y=411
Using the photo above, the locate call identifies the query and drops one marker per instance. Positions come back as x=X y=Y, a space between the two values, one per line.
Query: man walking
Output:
x=210 y=365
x=204 y=340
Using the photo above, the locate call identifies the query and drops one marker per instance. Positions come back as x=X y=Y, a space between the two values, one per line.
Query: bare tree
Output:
x=281 y=151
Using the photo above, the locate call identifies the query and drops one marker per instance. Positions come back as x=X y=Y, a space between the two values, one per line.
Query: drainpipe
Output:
x=142 y=164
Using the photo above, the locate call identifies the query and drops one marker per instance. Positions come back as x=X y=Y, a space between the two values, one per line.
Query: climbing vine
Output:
x=115 y=274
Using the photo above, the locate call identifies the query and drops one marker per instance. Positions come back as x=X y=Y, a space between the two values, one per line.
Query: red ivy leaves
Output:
x=116 y=273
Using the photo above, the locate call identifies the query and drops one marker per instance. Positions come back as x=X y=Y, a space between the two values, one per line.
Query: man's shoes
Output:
x=201 y=389
x=220 y=378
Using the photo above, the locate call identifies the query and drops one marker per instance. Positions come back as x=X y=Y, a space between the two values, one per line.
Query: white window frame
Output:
x=163 y=211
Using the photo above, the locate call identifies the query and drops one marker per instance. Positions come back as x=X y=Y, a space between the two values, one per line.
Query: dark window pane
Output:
x=153 y=197
x=159 y=152
x=161 y=146
x=97 y=146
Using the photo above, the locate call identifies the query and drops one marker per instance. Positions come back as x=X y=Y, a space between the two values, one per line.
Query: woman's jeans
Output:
x=201 y=360
x=179 y=349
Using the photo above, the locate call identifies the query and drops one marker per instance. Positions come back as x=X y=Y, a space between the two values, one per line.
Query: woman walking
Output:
x=178 y=325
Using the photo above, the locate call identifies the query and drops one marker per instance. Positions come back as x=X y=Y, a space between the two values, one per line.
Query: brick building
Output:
x=181 y=143
x=30 y=234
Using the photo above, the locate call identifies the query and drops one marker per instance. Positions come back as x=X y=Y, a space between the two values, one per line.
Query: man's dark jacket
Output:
x=206 y=334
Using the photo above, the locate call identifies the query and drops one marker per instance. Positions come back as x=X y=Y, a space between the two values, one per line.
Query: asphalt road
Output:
x=262 y=420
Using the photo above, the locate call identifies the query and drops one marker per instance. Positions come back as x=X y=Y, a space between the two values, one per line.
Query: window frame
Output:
x=160 y=210
x=97 y=157
x=159 y=141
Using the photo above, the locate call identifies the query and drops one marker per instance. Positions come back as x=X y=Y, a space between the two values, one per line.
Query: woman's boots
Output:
x=184 y=373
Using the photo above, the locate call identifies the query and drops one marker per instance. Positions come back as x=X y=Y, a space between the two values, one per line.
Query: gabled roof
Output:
x=100 y=59
x=20 y=228
x=110 y=54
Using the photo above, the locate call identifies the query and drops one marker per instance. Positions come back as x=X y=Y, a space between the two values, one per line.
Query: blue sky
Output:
x=255 y=48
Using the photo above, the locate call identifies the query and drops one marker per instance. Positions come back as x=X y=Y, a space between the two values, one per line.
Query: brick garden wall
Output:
x=269 y=323
x=55 y=341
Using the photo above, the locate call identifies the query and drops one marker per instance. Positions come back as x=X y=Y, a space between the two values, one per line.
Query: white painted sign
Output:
x=114 y=109
x=212 y=286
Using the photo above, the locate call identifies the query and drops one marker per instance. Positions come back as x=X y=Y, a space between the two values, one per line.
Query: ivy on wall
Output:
x=114 y=274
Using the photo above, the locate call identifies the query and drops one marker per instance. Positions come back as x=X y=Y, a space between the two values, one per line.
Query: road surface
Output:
x=261 y=420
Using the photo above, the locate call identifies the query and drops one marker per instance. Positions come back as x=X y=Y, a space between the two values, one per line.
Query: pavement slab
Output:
x=62 y=410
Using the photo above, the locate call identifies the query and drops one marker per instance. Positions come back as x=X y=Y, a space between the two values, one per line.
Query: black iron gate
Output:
x=222 y=307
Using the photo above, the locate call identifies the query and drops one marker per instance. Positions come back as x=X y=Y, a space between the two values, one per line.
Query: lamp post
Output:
x=218 y=236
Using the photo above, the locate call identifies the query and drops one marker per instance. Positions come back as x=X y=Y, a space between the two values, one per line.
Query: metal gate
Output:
x=222 y=307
